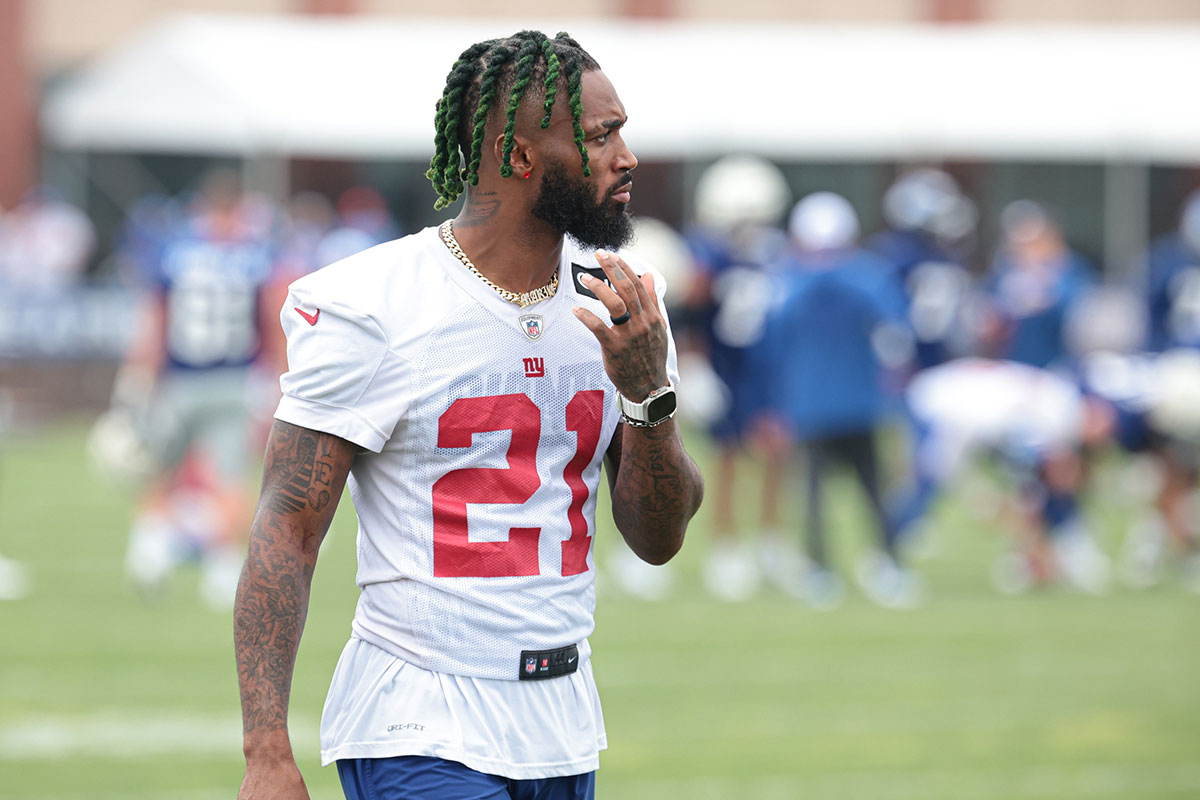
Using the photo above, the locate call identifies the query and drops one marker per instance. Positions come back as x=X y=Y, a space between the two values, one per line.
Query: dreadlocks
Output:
x=499 y=68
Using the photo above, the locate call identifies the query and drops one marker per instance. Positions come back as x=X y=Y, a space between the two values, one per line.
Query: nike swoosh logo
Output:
x=311 y=319
x=572 y=658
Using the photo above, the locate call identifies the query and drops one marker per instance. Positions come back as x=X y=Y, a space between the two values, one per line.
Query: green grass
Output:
x=972 y=696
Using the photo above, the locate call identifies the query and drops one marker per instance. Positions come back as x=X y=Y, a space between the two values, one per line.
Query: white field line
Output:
x=1008 y=783
x=129 y=735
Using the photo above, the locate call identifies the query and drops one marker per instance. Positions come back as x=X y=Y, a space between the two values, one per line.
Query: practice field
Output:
x=972 y=696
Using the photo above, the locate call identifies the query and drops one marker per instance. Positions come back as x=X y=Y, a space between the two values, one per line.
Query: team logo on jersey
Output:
x=534 y=367
x=532 y=325
x=530 y=665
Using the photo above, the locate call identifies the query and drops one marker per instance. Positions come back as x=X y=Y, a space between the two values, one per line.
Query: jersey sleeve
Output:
x=342 y=376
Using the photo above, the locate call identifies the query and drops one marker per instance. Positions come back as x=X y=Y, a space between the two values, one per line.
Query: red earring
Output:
x=526 y=176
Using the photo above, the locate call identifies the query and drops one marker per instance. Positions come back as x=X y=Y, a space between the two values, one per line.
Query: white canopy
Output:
x=365 y=88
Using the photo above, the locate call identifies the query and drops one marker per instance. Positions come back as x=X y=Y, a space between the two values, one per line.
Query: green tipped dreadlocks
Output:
x=499 y=68
x=529 y=51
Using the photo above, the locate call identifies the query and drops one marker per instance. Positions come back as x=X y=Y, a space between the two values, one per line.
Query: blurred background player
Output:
x=207 y=318
x=831 y=342
x=740 y=202
x=1172 y=283
x=931 y=226
x=1171 y=288
x=1036 y=281
x=1037 y=423
x=1155 y=398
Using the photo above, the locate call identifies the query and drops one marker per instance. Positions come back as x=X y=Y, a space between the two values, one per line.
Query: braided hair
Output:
x=506 y=69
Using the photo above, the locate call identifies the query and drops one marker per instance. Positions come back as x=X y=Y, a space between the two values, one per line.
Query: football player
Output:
x=188 y=379
x=929 y=220
x=468 y=382
x=740 y=203
x=1172 y=274
x=1036 y=422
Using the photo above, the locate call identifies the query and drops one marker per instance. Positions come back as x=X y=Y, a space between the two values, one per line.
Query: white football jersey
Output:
x=485 y=426
x=998 y=403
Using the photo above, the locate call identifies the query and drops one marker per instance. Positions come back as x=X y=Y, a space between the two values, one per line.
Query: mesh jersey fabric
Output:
x=476 y=496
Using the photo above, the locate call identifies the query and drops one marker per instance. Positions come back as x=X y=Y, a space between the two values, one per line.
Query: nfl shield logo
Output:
x=531 y=324
x=530 y=665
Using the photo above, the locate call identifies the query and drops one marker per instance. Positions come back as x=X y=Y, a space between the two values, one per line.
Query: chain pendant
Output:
x=519 y=299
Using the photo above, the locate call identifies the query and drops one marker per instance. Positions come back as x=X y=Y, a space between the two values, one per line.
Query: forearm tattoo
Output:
x=303 y=475
x=657 y=489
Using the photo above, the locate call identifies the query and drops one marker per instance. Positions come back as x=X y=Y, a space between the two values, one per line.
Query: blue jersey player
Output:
x=740 y=201
x=206 y=323
x=925 y=212
x=1173 y=283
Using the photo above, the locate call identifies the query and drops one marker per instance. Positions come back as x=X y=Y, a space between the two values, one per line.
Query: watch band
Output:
x=657 y=408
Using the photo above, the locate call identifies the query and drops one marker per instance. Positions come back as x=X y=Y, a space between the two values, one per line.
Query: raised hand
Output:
x=635 y=344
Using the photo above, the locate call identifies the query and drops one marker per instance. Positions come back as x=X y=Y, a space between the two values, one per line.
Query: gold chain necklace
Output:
x=520 y=299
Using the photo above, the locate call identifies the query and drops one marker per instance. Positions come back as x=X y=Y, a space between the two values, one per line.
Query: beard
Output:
x=569 y=205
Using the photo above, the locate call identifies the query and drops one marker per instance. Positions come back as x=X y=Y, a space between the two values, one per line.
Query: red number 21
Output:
x=454 y=555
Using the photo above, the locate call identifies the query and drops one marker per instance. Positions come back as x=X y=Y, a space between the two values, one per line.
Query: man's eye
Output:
x=602 y=138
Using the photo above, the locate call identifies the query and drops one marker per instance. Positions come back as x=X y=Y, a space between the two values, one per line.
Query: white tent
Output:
x=366 y=87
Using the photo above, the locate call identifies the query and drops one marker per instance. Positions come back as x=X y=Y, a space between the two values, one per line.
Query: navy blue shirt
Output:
x=1173 y=294
x=935 y=287
x=210 y=288
x=1035 y=304
x=825 y=375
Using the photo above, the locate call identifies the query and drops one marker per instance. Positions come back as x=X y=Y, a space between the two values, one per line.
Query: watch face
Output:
x=661 y=407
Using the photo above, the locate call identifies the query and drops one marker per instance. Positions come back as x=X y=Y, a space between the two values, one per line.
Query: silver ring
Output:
x=621 y=320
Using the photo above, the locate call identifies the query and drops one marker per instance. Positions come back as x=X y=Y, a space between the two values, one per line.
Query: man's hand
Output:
x=635 y=351
x=656 y=487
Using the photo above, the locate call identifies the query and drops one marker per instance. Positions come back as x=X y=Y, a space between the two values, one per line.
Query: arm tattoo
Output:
x=302 y=480
x=656 y=491
x=308 y=473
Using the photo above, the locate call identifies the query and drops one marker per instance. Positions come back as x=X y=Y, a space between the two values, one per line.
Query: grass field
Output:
x=973 y=696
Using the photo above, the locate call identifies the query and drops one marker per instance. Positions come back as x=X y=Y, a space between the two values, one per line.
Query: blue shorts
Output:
x=425 y=778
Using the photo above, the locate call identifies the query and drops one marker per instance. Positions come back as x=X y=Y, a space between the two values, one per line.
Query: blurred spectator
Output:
x=46 y=244
x=186 y=382
x=309 y=219
x=149 y=222
x=839 y=309
x=1173 y=283
x=740 y=201
x=363 y=221
x=1035 y=283
x=929 y=223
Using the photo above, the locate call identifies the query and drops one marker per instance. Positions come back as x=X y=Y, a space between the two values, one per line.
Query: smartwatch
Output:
x=657 y=408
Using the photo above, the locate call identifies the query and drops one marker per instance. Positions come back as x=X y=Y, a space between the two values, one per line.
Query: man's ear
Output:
x=522 y=156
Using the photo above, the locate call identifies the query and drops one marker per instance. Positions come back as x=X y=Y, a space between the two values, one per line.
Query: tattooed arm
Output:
x=302 y=481
x=656 y=487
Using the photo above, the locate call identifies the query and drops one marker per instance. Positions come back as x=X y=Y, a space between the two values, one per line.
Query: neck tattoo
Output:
x=520 y=299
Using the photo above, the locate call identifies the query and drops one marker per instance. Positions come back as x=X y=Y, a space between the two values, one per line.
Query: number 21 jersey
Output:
x=484 y=427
